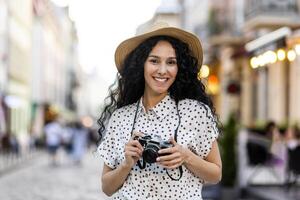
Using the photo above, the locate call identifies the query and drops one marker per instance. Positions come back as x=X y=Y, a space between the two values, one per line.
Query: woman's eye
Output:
x=172 y=62
x=154 y=61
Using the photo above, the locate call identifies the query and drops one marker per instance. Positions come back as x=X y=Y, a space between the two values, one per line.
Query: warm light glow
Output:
x=87 y=121
x=280 y=54
x=291 y=55
x=297 y=49
x=213 y=84
x=270 y=57
x=261 y=61
x=254 y=62
x=204 y=72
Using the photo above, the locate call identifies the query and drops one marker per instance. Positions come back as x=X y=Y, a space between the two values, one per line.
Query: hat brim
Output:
x=127 y=46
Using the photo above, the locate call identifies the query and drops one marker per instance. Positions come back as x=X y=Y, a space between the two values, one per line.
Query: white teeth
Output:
x=160 y=79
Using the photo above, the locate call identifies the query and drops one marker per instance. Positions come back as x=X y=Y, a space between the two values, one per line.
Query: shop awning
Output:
x=268 y=39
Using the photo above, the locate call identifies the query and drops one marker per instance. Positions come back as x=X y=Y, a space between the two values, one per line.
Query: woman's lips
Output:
x=161 y=80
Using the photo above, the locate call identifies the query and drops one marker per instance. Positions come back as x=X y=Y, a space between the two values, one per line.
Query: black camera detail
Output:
x=151 y=146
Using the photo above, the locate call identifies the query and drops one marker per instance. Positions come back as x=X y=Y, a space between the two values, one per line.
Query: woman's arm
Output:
x=208 y=169
x=113 y=179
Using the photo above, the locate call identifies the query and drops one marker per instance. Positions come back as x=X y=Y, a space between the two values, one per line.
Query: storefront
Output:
x=274 y=78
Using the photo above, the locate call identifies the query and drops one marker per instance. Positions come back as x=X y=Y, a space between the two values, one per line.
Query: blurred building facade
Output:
x=38 y=65
x=254 y=93
x=3 y=59
x=273 y=25
x=54 y=61
x=3 y=43
x=169 y=11
x=19 y=66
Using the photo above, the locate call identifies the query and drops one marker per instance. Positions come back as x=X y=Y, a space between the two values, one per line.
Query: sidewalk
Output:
x=273 y=193
x=41 y=181
x=11 y=161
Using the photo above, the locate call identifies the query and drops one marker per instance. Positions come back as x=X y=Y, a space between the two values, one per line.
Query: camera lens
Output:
x=150 y=153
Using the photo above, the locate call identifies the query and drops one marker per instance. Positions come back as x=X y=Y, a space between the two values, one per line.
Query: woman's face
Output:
x=160 y=69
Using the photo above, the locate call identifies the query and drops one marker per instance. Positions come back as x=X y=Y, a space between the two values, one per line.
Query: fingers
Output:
x=134 y=143
x=132 y=154
x=130 y=150
x=172 y=164
x=175 y=156
x=169 y=157
x=172 y=140
x=133 y=148
x=169 y=161
x=169 y=150
x=135 y=133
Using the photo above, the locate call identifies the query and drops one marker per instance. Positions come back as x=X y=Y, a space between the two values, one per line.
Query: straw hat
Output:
x=130 y=44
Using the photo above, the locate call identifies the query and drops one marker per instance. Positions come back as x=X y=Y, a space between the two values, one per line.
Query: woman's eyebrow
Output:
x=154 y=56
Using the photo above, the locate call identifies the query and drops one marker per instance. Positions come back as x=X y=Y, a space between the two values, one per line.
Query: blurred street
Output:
x=40 y=181
x=57 y=62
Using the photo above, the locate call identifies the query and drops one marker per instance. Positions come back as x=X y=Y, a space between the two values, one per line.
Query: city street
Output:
x=71 y=72
x=39 y=181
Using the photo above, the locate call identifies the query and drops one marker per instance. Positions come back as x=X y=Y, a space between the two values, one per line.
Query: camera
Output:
x=151 y=146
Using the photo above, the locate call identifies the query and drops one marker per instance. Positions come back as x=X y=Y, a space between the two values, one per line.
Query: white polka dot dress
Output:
x=197 y=131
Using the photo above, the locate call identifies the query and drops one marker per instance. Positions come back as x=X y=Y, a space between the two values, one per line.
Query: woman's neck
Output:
x=149 y=100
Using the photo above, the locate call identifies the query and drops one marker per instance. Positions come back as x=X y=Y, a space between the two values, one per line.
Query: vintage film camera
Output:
x=151 y=145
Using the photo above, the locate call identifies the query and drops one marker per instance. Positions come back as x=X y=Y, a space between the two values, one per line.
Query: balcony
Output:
x=271 y=14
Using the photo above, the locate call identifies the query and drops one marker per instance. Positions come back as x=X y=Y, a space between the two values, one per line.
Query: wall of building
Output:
x=246 y=93
x=294 y=76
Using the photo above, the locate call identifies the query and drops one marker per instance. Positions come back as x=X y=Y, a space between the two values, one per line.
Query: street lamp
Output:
x=254 y=62
x=280 y=54
x=204 y=72
x=291 y=55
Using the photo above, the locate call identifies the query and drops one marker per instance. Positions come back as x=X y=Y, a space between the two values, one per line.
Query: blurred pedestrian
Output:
x=93 y=137
x=278 y=150
x=68 y=137
x=53 y=131
x=292 y=137
x=271 y=130
x=80 y=141
x=278 y=147
x=10 y=143
x=159 y=96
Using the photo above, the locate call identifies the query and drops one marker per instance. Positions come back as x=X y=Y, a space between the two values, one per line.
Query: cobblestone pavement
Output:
x=37 y=180
x=40 y=181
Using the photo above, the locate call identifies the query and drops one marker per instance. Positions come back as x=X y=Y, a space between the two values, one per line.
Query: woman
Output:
x=158 y=94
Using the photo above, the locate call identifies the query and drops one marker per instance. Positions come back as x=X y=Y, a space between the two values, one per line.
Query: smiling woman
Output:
x=159 y=115
x=160 y=71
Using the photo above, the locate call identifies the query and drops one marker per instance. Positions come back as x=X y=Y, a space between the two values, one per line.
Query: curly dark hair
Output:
x=130 y=82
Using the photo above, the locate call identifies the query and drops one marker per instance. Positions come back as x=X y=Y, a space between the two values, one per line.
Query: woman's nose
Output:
x=162 y=69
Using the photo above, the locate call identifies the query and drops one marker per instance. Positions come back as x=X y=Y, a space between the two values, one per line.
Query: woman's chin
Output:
x=161 y=91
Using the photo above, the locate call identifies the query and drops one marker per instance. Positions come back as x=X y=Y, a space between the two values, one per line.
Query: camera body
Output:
x=151 y=145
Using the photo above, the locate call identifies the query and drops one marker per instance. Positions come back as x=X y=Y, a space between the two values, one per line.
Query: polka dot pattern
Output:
x=197 y=131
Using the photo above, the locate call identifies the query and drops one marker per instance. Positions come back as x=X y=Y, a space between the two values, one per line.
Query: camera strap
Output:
x=175 y=138
x=143 y=164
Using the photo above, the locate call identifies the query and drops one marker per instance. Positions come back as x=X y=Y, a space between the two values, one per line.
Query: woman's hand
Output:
x=133 y=151
x=177 y=155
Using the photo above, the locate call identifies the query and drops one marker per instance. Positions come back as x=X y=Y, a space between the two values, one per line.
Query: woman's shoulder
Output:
x=124 y=111
x=193 y=103
x=192 y=106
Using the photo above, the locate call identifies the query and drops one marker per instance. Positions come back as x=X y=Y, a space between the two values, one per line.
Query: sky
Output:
x=102 y=25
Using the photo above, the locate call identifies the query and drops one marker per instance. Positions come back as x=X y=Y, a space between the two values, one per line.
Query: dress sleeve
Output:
x=208 y=131
x=106 y=149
